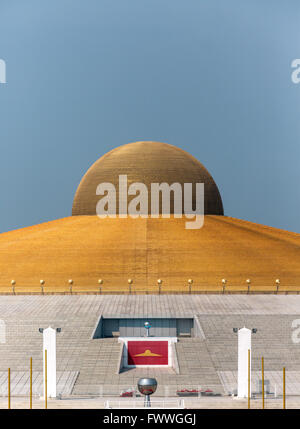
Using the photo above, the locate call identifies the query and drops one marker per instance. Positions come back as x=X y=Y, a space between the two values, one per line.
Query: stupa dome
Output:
x=146 y=162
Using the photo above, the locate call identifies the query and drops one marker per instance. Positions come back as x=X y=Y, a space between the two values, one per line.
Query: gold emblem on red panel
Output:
x=147 y=353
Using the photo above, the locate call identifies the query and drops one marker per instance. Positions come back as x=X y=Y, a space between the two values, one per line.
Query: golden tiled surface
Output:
x=86 y=248
x=145 y=162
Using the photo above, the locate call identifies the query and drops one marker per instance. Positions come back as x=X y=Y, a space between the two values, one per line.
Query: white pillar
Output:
x=49 y=344
x=244 y=344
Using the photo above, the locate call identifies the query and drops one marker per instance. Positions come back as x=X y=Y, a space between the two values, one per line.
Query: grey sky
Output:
x=212 y=77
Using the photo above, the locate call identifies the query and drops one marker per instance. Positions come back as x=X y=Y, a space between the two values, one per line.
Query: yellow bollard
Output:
x=9 y=388
x=249 y=378
x=283 y=387
x=46 y=394
x=263 y=382
x=31 y=383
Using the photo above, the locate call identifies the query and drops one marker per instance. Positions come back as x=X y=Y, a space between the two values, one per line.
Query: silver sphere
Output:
x=147 y=386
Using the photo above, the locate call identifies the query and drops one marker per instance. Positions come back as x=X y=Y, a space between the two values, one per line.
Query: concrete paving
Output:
x=224 y=402
x=71 y=307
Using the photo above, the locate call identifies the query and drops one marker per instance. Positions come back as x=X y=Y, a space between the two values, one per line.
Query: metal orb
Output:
x=147 y=386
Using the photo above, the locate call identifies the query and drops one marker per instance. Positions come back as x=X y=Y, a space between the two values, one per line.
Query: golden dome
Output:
x=146 y=162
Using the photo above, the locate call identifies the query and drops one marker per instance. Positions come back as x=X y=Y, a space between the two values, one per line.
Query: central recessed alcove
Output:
x=134 y=327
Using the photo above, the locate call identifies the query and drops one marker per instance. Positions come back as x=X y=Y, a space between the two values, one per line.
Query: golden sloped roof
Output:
x=86 y=248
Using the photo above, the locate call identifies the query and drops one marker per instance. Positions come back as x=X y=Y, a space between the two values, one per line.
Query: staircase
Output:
x=273 y=341
x=98 y=372
x=196 y=366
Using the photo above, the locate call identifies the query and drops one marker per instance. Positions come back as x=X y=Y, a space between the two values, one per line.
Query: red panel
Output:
x=147 y=352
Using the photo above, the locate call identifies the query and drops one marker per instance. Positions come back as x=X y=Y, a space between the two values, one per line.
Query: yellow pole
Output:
x=46 y=394
x=249 y=381
x=283 y=387
x=263 y=382
x=9 y=388
x=31 y=383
